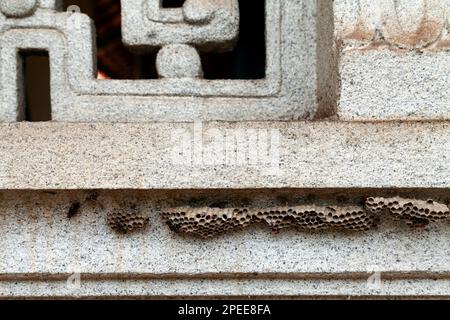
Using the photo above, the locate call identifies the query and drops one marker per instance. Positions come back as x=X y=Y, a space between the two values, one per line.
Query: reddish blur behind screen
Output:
x=247 y=61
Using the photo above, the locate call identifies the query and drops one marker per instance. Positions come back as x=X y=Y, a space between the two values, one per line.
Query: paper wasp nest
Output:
x=127 y=221
x=414 y=212
x=207 y=222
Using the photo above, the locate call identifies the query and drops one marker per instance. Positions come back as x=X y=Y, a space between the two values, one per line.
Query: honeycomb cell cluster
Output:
x=124 y=221
x=207 y=222
x=317 y=218
x=413 y=212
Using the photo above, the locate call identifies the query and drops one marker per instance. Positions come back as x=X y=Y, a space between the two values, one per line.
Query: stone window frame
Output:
x=76 y=93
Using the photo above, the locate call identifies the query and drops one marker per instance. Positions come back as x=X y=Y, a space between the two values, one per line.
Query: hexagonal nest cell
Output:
x=413 y=212
x=126 y=221
x=208 y=222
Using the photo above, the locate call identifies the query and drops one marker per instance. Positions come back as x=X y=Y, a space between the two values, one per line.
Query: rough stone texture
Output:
x=40 y=244
x=51 y=4
x=290 y=90
x=297 y=287
x=394 y=59
x=18 y=8
x=380 y=60
x=372 y=39
x=384 y=85
x=144 y=156
x=207 y=24
x=179 y=61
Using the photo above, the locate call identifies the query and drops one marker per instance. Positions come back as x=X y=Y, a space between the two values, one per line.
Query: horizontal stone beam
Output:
x=223 y=288
x=46 y=253
x=248 y=155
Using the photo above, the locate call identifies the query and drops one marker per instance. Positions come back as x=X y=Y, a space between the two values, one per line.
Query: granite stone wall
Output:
x=329 y=176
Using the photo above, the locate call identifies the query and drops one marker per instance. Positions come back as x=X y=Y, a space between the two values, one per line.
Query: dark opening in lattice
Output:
x=247 y=60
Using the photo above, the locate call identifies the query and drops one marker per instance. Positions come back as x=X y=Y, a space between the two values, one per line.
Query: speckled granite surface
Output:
x=42 y=248
x=136 y=143
x=178 y=156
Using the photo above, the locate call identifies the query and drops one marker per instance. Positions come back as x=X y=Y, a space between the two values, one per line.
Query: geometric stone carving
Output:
x=378 y=43
x=206 y=24
x=296 y=85
x=17 y=9
x=405 y=24
x=208 y=222
x=386 y=84
x=332 y=165
x=178 y=61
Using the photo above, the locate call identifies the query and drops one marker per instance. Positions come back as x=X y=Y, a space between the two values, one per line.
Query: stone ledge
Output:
x=42 y=249
x=224 y=288
x=307 y=155
x=40 y=240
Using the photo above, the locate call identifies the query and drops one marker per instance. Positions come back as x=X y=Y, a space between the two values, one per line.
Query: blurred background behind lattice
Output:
x=247 y=61
x=115 y=61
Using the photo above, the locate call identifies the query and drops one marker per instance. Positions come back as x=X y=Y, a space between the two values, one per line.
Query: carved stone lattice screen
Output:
x=328 y=176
